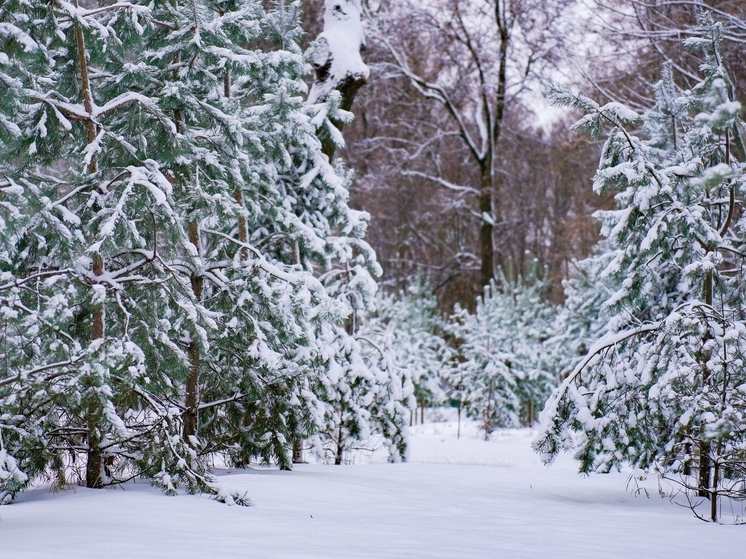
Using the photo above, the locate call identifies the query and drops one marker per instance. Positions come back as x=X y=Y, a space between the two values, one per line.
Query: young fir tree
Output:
x=362 y=394
x=394 y=363
x=581 y=320
x=410 y=327
x=365 y=394
x=664 y=389
x=505 y=369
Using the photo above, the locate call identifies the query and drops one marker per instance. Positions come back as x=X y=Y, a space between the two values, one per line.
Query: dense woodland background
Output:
x=402 y=144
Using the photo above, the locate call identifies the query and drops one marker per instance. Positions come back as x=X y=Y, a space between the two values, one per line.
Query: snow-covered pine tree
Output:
x=362 y=393
x=391 y=397
x=505 y=369
x=394 y=363
x=664 y=389
x=102 y=231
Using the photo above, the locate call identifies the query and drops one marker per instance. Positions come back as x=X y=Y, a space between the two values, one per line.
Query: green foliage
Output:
x=506 y=367
x=170 y=220
x=663 y=385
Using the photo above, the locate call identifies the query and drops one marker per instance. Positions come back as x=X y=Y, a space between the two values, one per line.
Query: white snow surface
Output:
x=455 y=498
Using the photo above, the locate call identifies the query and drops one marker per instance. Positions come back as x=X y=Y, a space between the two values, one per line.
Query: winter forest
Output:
x=271 y=252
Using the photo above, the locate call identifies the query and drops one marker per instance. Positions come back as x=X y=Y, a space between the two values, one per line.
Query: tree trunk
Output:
x=714 y=485
x=94 y=463
x=191 y=397
x=687 y=469
x=486 y=226
x=704 y=445
x=340 y=447
x=191 y=392
x=346 y=74
x=488 y=197
x=704 y=467
x=298 y=452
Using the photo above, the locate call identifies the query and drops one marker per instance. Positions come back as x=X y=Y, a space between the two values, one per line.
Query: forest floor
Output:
x=455 y=498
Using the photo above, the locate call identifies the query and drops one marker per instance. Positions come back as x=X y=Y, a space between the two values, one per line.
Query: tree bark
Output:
x=298 y=451
x=94 y=461
x=705 y=466
x=714 y=493
x=191 y=397
x=340 y=447
x=348 y=88
x=486 y=230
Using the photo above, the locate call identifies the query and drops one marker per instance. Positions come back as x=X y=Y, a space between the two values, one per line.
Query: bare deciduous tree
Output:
x=452 y=160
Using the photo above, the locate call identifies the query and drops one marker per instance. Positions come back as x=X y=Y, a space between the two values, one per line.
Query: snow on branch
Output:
x=442 y=182
x=79 y=14
x=608 y=341
x=76 y=111
x=260 y=261
x=337 y=57
x=9 y=31
x=44 y=368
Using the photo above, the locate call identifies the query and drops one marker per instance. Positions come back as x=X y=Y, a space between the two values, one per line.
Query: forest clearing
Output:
x=454 y=498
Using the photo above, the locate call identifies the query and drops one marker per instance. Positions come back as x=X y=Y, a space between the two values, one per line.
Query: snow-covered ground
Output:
x=455 y=498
